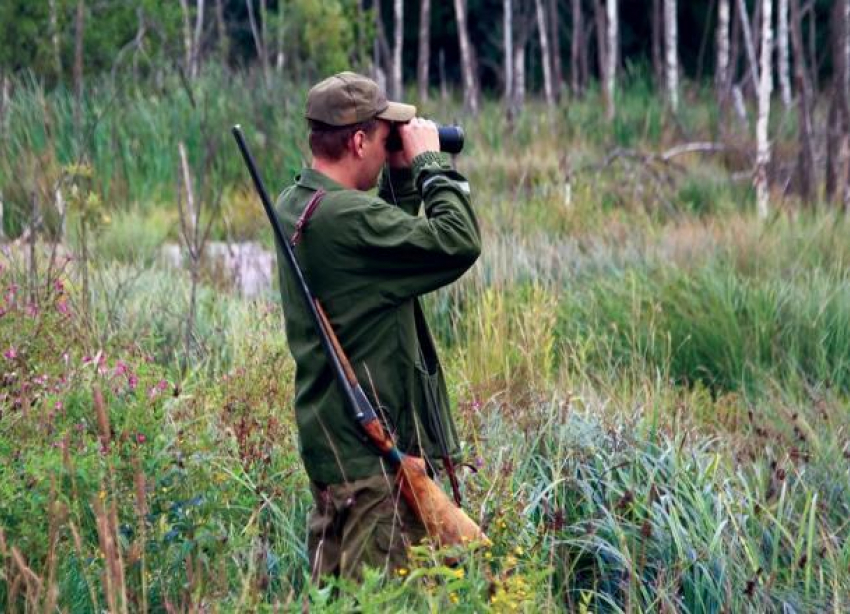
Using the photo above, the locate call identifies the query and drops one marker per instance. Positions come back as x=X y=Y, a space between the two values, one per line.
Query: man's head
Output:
x=350 y=119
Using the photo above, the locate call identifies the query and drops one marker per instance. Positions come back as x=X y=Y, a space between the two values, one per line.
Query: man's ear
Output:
x=356 y=143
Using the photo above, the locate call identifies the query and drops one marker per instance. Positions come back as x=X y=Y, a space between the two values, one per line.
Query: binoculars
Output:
x=451 y=139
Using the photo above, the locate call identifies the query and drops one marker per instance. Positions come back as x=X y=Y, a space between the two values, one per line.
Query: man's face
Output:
x=374 y=156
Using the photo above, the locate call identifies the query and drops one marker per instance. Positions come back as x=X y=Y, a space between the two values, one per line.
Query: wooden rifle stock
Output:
x=447 y=524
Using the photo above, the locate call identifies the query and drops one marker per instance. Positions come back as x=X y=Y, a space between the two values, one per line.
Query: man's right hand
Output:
x=418 y=136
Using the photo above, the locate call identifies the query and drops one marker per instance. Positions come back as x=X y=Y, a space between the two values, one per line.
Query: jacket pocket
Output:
x=434 y=414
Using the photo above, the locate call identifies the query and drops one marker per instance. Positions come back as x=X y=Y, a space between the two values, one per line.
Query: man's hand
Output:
x=417 y=136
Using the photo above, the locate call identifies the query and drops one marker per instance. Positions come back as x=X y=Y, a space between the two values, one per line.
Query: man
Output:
x=367 y=259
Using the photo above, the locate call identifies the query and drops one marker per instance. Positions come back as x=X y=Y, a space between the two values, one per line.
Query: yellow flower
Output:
x=488 y=555
x=454 y=598
x=459 y=573
x=402 y=571
x=519 y=551
x=101 y=495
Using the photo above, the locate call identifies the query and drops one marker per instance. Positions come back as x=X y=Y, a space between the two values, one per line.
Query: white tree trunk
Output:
x=545 y=55
x=612 y=53
x=398 y=41
x=508 y=42
x=470 y=82
x=424 y=59
x=196 y=41
x=722 y=76
x=671 y=41
x=519 y=77
x=782 y=55
x=744 y=20
x=765 y=89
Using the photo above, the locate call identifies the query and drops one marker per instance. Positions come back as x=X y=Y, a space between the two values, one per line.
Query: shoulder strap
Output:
x=301 y=224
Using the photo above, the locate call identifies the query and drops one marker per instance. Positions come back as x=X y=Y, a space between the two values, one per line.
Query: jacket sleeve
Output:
x=405 y=255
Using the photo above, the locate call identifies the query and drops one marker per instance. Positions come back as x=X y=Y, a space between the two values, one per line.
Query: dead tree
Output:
x=838 y=123
x=467 y=59
x=424 y=59
x=806 y=178
x=554 y=16
x=764 y=92
x=671 y=53
x=657 y=21
x=577 y=49
x=545 y=55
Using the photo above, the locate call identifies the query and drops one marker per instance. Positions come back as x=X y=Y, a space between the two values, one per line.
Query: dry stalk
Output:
x=33 y=582
x=102 y=417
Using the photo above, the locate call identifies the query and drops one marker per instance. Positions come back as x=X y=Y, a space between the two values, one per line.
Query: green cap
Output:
x=348 y=98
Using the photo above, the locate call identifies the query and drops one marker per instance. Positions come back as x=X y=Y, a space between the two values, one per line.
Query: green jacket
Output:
x=367 y=261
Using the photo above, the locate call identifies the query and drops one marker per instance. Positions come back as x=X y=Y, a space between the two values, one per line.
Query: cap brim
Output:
x=398 y=112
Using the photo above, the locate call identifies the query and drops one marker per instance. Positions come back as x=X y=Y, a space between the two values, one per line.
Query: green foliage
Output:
x=325 y=35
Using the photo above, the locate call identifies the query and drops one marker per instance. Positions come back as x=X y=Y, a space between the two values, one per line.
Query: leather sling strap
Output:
x=301 y=224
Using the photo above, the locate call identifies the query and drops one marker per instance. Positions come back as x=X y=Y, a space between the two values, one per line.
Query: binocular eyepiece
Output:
x=451 y=139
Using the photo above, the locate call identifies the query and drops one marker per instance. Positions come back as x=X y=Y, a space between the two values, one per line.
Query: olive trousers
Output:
x=360 y=523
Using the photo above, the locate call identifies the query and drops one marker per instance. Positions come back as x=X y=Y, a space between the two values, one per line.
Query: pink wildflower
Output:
x=132 y=381
x=62 y=307
x=140 y=438
x=10 y=354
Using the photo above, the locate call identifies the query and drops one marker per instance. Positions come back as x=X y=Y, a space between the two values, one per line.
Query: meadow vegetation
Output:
x=653 y=386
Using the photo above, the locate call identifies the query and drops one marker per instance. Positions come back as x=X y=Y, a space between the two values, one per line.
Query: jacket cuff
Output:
x=429 y=162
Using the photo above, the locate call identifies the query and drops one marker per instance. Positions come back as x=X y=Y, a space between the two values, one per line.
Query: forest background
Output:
x=648 y=364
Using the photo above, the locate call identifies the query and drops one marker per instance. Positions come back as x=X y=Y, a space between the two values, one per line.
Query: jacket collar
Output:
x=314 y=180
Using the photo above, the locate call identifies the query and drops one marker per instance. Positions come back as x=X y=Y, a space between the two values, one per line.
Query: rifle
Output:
x=446 y=524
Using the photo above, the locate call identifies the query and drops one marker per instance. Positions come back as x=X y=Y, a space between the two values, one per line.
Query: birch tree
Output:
x=467 y=60
x=782 y=56
x=611 y=54
x=722 y=75
x=764 y=92
x=671 y=53
x=424 y=59
x=749 y=47
x=192 y=36
x=398 y=41
x=508 y=43
x=545 y=56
